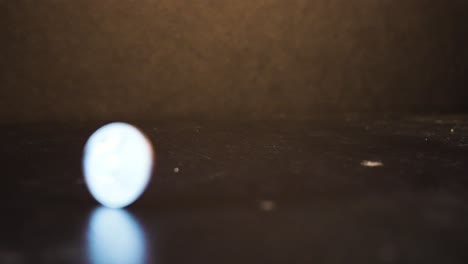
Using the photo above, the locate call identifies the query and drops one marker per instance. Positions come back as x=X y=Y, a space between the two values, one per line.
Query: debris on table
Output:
x=371 y=163
x=267 y=205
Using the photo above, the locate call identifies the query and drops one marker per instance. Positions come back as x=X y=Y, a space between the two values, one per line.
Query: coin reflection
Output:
x=114 y=236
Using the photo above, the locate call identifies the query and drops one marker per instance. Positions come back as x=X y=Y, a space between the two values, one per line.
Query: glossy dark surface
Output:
x=265 y=192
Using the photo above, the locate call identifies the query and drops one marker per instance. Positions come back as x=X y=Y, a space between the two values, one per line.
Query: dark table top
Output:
x=246 y=192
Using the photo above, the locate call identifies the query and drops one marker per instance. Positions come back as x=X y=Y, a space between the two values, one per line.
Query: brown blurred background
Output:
x=101 y=60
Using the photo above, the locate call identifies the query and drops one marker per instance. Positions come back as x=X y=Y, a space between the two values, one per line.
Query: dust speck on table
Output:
x=371 y=163
x=267 y=205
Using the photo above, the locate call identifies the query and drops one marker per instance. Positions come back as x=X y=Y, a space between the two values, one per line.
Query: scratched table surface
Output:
x=351 y=190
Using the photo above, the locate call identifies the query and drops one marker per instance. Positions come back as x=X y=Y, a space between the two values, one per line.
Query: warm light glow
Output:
x=114 y=236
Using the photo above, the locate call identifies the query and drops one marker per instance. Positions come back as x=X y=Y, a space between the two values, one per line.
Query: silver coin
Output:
x=117 y=164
